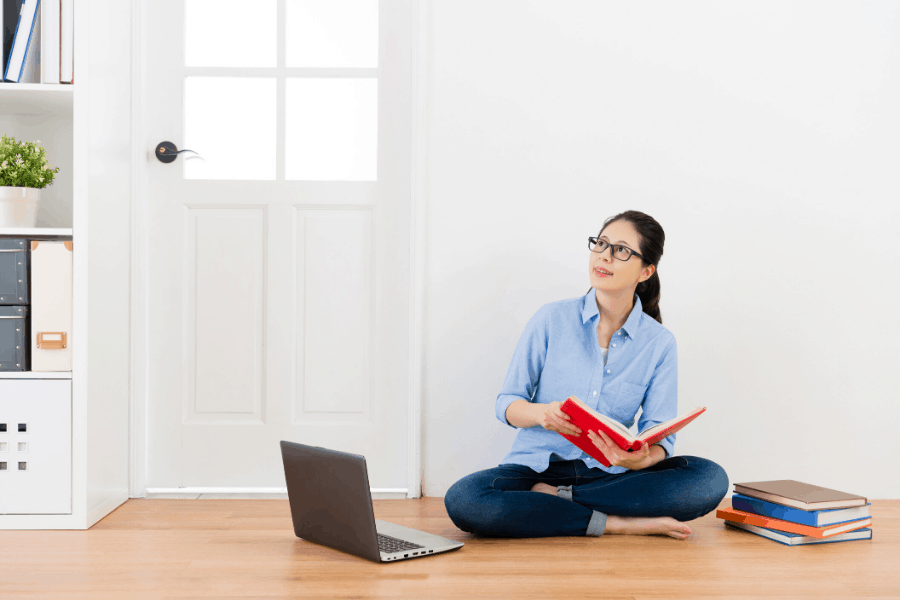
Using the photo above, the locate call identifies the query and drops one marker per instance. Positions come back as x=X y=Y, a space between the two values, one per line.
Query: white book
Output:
x=67 y=41
x=22 y=41
x=49 y=41
x=797 y=539
x=31 y=72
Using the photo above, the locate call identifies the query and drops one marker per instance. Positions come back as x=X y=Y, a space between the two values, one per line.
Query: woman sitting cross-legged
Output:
x=610 y=349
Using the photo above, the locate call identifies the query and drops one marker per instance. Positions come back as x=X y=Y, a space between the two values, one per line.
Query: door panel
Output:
x=278 y=271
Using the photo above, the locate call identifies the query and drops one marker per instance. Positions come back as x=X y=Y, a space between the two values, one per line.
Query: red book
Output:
x=587 y=419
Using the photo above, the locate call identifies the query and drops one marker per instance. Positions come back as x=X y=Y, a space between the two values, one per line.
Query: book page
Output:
x=651 y=431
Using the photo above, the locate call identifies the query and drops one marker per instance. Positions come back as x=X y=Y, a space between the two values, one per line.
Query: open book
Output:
x=587 y=419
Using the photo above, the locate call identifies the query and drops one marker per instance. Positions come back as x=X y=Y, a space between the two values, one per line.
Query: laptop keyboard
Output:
x=390 y=544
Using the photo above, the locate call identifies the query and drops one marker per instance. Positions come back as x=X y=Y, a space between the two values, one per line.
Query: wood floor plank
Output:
x=233 y=548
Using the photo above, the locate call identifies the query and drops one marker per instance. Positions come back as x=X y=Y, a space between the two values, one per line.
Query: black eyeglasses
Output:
x=618 y=251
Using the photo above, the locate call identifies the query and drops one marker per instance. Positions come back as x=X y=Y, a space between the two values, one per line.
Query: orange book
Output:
x=588 y=419
x=739 y=516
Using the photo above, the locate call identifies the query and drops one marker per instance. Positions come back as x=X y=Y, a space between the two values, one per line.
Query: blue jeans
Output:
x=499 y=501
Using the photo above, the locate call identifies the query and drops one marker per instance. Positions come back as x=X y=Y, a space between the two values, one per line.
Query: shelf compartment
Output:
x=38 y=478
x=31 y=99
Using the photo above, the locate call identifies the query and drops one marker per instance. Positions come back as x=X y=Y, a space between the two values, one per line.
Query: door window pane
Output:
x=230 y=123
x=331 y=129
x=332 y=33
x=230 y=33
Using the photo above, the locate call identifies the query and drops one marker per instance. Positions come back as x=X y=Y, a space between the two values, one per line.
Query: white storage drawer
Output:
x=36 y=446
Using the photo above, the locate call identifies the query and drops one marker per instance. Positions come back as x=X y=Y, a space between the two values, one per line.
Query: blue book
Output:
x=815 y=518
x=795 y=539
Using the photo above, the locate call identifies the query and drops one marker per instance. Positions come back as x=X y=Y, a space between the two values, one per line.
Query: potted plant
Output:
x=23 y=173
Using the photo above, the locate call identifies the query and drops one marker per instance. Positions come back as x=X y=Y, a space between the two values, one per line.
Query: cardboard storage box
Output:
x=51 y=306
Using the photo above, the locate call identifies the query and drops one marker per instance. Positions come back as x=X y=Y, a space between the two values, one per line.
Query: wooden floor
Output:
x=155 y=548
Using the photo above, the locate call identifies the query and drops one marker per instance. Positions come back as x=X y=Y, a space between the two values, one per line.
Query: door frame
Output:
x=138 y=365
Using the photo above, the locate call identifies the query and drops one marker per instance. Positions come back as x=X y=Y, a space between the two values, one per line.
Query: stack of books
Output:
x=795 y=513
x=38 y=41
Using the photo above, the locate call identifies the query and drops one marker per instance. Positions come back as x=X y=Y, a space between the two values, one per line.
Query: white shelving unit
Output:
x=48 y=233
x=35 y=375
x=84 y=126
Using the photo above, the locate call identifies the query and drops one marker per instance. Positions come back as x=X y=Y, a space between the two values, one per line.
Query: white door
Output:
x=278 y=269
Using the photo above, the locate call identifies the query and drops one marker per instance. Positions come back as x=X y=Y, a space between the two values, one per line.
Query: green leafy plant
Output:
x=24 y=164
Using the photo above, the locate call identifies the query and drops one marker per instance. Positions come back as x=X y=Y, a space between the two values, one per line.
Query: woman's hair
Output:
x=652 y=237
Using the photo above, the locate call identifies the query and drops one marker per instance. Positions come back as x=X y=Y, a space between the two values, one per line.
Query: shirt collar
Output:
x=589 y=311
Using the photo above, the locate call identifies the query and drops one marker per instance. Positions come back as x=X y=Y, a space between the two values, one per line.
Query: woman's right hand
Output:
x=554 y=419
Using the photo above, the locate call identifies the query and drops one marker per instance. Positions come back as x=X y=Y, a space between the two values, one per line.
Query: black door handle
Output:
x=167 y=152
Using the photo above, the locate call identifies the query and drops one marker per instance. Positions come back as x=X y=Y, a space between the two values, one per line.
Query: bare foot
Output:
x=647 y=526
x=633 y=525
x=545 y=488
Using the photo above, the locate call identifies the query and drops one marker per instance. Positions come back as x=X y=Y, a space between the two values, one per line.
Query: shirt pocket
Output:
x=628 y=400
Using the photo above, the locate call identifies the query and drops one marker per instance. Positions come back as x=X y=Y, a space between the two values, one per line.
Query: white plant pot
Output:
x=18 y=206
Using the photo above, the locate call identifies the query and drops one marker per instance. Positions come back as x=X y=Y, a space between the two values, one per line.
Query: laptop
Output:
x=331 y=504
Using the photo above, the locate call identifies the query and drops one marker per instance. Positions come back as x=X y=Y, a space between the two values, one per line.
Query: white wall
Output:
x=757 y=133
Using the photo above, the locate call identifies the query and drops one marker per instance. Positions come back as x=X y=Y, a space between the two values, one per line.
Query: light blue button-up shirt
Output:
x=559 y=356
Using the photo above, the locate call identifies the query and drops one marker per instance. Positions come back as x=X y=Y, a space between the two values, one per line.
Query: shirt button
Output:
x=607 y=370
x=595 y=392
x=614 y=345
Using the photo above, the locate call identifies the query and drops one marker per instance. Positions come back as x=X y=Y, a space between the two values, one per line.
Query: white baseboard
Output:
x=111 y=504
x=220 y=492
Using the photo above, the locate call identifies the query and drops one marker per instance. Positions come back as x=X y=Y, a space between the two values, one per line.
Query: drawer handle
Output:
x=51 y=344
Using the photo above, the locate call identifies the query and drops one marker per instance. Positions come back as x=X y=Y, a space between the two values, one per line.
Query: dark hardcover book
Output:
x=10 y=16
x=804 y=496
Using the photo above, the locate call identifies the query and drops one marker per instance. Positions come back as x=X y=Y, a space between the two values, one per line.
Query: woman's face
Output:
x=625 y=274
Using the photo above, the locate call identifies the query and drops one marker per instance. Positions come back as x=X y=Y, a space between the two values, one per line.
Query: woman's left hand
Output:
x=639 y=459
